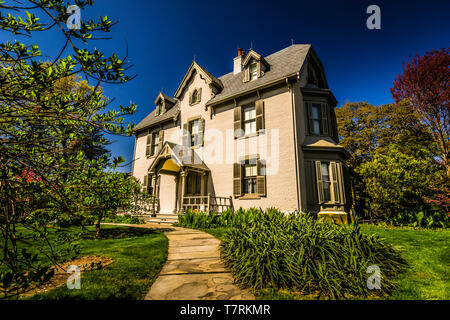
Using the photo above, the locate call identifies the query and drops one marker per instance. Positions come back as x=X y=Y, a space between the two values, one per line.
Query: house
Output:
x=263 y=135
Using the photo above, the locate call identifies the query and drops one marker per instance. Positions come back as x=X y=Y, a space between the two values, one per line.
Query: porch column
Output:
x=176 y=195
x=154 y=180
x=183 y=188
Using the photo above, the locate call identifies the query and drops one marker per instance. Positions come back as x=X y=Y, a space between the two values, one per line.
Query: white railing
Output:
x=207 y=203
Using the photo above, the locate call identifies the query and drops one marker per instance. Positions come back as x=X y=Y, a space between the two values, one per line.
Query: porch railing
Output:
x=142 y=207
x=207 y=203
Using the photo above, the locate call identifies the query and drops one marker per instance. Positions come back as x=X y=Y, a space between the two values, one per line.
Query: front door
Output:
x=167 y=193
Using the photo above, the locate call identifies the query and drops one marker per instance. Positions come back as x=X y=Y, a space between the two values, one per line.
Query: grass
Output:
x=428 y=256
x=426 y=251
x=138 y=255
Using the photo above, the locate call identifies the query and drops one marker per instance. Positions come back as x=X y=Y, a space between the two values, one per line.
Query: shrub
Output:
x=297 y=252
x=212 y=219
x=126 y=218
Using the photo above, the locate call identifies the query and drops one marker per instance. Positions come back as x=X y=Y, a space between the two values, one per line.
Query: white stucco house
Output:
x=263 y=135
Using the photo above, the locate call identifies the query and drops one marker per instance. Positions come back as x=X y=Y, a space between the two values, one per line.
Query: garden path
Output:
x=194 y=269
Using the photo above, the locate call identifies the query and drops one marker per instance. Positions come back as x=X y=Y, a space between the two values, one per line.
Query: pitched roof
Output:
x=282 y=63
x=209 y=77
x=183 y=156
x=153 y=119
x=165 y=97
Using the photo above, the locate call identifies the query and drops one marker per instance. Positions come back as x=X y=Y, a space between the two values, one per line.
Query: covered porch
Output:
x=178 y=180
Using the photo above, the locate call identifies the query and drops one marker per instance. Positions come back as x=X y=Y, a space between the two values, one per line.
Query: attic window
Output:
x=253 y=71
x=159 y=108
x=196 y=96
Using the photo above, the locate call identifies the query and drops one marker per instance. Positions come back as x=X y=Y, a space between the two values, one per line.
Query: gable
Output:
x=194 y=69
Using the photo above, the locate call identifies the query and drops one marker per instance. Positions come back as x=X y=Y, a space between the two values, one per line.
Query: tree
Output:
x=366 y=131
x=42 y=129
x=424 y=84
x=399 y=185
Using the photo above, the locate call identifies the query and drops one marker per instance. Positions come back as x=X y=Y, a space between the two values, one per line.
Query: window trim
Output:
x=239 y=178
x=154 y=148
x=336 y=180
x=198 y=92
x=324 y=114
x=244 y=122
x=255 y=73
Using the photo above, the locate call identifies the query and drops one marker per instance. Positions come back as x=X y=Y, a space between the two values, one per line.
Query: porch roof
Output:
x=183 y=156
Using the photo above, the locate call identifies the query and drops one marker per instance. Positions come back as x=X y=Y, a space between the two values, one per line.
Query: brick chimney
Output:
x=238 y=61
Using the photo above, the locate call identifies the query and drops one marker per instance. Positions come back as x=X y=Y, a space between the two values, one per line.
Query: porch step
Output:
x=167 y=218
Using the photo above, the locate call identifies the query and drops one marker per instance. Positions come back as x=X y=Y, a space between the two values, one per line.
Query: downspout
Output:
x=294 y=124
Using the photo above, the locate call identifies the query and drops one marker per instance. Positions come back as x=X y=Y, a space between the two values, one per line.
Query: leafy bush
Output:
x=399 y=185
x=126 y=218
x=212 y=219
x=297 y=252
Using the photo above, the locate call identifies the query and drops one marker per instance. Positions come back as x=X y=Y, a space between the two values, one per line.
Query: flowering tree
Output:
x=44 y=128
x=424 y=84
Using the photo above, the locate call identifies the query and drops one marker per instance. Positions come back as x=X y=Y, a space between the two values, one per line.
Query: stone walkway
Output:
x=193 y=270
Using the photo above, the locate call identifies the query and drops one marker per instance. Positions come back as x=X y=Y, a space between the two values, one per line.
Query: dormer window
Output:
x=255 y=66
x=253 y=71
x=159 y=108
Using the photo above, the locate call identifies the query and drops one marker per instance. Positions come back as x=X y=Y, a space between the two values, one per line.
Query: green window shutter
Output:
x=145 y=184
x=258 y=66
x=186 y=140
x=335 y=181
x=201 y=133
x=237 y=179
x=309 y=117
x=341 y=182
x=261 y=185
x=319 y=182
x=259 y=105
x=199 y=95
x=247 y=74
x=161 y=139
x=324 y=118
x=149 y=144
x=238 y=122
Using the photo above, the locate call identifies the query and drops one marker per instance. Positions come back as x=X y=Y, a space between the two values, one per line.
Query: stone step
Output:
x=160 y=221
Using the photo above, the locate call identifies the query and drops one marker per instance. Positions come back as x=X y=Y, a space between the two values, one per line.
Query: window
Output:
x=195 y=96
x=330 y=182
x=249 y=179
x=318 y=118
x=159 y=108
x=193 y=183
x=194 y=131
x=325 y=172
x=249 y=120
x=155 y=143
x=253 y=71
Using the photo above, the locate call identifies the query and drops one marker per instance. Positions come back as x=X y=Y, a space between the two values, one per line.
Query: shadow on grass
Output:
x=117 y=233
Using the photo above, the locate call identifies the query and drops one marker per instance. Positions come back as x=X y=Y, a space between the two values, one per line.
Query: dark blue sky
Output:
x=360 y=64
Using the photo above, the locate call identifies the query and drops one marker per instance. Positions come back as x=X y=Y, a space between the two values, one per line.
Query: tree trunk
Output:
x=98 y=231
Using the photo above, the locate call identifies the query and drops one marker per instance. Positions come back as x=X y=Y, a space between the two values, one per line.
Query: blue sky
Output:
x=164 y=36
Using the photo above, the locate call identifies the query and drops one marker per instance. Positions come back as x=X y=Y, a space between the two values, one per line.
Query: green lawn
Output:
x=138 y=255
x=427 y=253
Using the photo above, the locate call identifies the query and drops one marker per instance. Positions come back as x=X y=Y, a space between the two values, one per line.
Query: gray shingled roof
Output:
x=152 y=119
x=282 y=63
